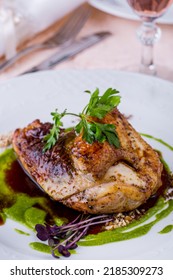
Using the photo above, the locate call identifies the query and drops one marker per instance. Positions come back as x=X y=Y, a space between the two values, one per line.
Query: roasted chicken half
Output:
x=93 y=178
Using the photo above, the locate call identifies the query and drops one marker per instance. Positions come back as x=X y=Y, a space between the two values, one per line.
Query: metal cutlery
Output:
x=69 y=51
x=65 y=35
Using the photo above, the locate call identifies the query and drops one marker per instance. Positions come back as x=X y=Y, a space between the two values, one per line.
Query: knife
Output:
x=69 y=51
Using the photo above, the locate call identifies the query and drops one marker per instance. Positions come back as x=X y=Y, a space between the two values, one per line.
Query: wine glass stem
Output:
x=147 y=58
x=148 y=34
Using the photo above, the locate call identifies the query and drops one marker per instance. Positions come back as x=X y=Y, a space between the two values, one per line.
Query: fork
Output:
x=65 y=35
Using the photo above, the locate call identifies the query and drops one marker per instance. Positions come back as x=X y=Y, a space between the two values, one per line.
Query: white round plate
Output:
x=149 y=101
x=120 y=8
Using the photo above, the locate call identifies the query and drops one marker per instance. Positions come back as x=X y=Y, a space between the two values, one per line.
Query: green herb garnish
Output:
x=91 y=130
x=53 y=135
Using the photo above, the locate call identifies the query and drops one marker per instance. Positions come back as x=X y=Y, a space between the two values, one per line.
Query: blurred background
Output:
x=29 y=23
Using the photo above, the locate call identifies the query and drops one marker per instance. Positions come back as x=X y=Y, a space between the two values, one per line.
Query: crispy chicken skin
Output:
x=93 y=178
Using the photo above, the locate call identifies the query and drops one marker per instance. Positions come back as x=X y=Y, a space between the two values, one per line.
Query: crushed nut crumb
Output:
x=6 y=140
x=168 y=195
x=123 y=219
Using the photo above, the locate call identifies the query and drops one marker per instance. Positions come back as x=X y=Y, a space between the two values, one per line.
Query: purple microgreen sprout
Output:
x=63 y=238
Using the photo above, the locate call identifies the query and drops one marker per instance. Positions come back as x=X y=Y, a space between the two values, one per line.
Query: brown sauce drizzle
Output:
x=166 y=184
x=1 y=221
x=19 y=182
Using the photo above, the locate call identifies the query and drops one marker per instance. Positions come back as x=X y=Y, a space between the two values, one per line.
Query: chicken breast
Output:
x=92 y=178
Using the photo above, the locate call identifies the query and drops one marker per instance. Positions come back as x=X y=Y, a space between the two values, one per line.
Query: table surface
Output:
x=120 y=51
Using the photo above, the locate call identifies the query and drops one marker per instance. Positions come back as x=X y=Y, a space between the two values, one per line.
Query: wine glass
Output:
x=10 y=18
x=7 y=28
x=149 y=32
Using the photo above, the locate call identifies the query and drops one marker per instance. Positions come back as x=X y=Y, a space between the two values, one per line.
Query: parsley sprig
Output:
x=91 y=130
x=54 y=132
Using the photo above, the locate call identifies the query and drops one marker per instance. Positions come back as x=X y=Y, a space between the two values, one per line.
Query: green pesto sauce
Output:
x=133 y=230
x=166 y=229
x=21 y=232
x=164 y=144
x=21 y=208
x=41 y=247
x=158 y=140
x=22 y=211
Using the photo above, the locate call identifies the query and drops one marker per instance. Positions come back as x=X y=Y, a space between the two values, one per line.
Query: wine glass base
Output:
x=158 y=71
x=148 y=70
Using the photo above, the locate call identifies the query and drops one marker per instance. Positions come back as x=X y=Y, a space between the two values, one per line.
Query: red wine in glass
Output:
x=149 y=33
x=150 y=8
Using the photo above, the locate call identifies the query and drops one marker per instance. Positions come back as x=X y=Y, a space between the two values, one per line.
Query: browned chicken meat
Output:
x=93 y=178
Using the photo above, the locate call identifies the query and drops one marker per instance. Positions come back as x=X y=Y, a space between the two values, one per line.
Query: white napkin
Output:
x=27 y=18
